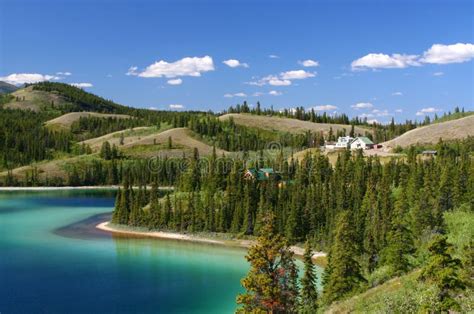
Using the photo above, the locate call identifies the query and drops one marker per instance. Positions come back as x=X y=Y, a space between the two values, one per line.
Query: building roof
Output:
x=364 y=139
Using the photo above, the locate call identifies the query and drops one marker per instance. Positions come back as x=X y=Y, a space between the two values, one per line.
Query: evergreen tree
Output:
x=343 y=272
x=442 y=271
x=309 y=295
x=271 y=284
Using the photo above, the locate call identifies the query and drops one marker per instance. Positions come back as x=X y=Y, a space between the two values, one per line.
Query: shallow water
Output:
x=52 y=260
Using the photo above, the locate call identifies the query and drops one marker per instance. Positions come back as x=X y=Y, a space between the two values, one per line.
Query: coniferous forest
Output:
x=379 y=220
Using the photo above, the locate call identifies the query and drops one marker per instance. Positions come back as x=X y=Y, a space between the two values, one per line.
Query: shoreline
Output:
x=65 y=188
x=245 y=244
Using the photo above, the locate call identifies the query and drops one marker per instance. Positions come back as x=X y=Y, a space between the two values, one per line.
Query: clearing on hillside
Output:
x=129 y=136
x=288 y=124
x=35 y=100
x=430 y=134
x=66 y=120
x=183 y=141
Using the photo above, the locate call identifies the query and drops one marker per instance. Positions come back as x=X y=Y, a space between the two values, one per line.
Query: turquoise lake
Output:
x=52 y=260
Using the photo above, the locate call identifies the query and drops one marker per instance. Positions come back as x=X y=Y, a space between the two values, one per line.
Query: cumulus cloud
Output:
x=175 y=81
x=233 y=63
x=399 y=110
x=81 y=85
x=283 y=79
x=275 y=93
x=176 y=106
x=64 y=73
x=371 y=121
x=189 y=66
x=438 y=73
x=257 y=94
x=437 y=54
x=296 y=75
x=426 y=111
x=324 y=108
x=28 y=78
x=273 y=56
x=443 y=54
x=362 y=105
x=397 y=94
x=309 y=63
x=235 y=95
x=384 y=61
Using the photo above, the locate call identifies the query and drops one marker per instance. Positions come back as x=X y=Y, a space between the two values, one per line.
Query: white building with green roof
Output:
x=362 y=142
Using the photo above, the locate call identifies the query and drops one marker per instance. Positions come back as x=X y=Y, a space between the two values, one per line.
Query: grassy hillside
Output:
x=183 y=141
x=288 y=125
x=430 y=134
x=65 y=121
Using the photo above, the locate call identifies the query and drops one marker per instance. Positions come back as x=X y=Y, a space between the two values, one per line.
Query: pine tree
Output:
x=308 y=293
x=271 y=283
x=343 y=272
x=442 y=271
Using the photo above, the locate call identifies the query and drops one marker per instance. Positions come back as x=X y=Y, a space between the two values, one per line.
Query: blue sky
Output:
x=369 y=58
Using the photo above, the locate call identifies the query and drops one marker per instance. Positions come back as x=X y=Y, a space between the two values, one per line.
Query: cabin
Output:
x=361 y=142
x=262 y=174
x=343 y=142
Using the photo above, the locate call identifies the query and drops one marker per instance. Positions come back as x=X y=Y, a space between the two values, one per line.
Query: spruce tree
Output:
x=343 y=272
x=309 y=294
x=442 y=271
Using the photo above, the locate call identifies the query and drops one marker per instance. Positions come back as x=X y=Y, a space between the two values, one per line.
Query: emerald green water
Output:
x=52 y=260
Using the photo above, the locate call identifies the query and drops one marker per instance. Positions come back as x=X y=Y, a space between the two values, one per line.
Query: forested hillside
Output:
x=376 y=221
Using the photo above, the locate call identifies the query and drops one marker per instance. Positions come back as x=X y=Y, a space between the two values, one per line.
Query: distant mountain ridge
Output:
x=6 y=88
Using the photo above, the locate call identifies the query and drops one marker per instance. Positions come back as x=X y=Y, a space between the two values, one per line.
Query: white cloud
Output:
x=426 y=111
x=399 y=110
x=176 y=106
x=175 y=81
x=81 y=85
x=296 y=75
x=283 y=79
x=397 y=94
x=22 y=78
x=438 y=73
x=372 y=121
x=189 y=66
x=366 y=115
x=362 y=105
x=383 y=61
x=233 y=63
x=278 y=82
x=257 y=94
x=381 y=113
x=443 y=54
x=324 y=108
x=275 y=93
x=309 y=63
x=273 y=56
x=64 y=73
x=133 y=70
x=235 y=95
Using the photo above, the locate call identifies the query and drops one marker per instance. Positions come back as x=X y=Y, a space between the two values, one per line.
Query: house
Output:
x=361 y=142
x=262 y=174
x=343 y=142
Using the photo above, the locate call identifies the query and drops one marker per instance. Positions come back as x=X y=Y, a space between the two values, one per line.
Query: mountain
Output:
x=6 y=88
